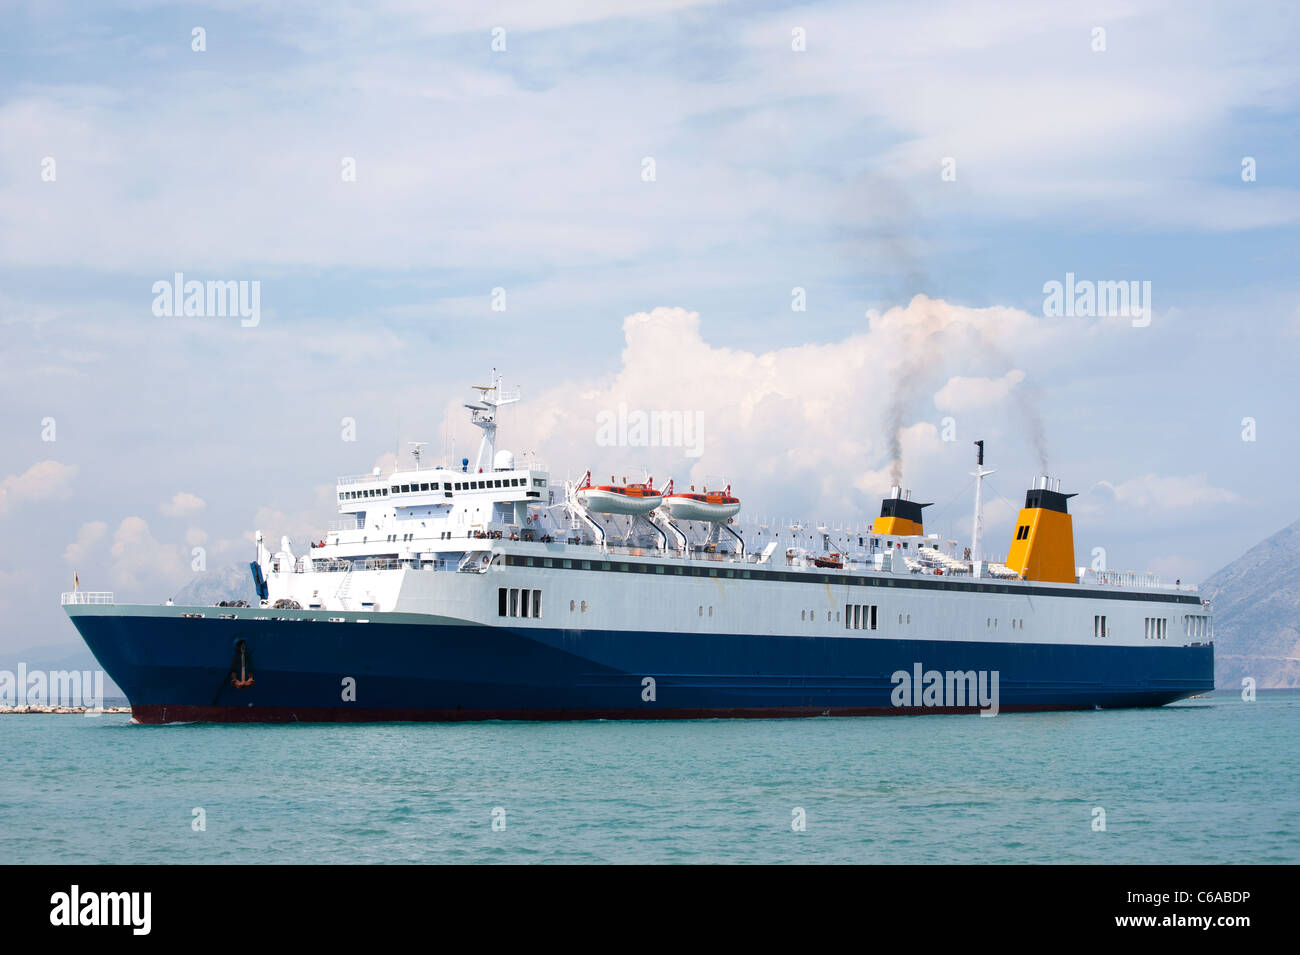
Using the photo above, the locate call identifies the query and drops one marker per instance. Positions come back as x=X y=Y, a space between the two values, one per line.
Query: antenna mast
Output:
x=484 y=415
x=980 y=473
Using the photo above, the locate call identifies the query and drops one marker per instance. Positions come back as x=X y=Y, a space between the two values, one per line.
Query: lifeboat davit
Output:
x=634 y=499
x=714 y=506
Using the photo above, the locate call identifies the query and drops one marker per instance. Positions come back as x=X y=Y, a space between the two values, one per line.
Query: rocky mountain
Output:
x=224 y=583
x=1256 y=602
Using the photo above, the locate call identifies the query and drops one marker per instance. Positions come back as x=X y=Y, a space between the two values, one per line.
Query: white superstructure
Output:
x=501 y=539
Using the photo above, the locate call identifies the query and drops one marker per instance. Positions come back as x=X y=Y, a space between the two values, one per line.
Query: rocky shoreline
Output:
x=43 y=708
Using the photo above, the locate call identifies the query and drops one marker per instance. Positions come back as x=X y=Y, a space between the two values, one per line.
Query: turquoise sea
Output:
x=1214 y=780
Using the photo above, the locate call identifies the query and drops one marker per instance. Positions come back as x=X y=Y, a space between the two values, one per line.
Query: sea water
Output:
x=1211 y=780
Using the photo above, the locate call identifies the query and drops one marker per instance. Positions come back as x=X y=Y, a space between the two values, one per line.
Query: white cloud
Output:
x=553 y=178
x=88 y=537
x=140 y=560
x=798 y=430
x=44 y=480
x=182 y=504
x=961 y=394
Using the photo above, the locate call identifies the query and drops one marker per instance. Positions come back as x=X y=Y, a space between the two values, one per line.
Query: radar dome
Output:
x=504 y=461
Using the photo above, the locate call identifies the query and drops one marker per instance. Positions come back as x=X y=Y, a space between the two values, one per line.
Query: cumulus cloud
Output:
x=140 y=559
x=88 y=537
x=805 y=423
x=45 y=480
x=960 y=394
x=181 y=504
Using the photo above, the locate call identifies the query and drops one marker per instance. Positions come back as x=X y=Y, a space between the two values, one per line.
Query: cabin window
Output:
x=524 y=603
x=501 y=601
x=537 y=603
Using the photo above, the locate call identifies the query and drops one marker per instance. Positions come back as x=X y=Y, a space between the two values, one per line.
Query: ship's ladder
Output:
x=344 y=586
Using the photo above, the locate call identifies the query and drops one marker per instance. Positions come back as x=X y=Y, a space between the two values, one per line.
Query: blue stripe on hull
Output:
x=414 y=671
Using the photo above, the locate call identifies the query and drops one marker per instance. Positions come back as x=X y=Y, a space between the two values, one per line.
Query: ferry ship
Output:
x=493 y=592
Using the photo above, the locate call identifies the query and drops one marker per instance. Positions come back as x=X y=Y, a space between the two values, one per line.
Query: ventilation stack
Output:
x=1043 y=546
x=899 y=515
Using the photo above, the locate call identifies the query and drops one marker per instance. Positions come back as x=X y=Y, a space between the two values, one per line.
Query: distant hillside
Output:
x=225 y=583
x=1256 y=602
x=59 y=656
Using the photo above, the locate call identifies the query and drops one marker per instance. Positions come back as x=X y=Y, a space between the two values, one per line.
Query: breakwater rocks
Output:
x=46 y=708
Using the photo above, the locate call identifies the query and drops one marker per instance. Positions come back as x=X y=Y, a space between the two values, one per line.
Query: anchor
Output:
x=245 y=679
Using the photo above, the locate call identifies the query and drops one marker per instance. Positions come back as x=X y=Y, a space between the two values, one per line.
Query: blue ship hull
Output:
x=177 y=669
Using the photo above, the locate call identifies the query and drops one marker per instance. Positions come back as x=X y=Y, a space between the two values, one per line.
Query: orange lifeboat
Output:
x=715 y=506
x=633 y=499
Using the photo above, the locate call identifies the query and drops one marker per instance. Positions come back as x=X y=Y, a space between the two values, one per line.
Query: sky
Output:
x=825 y=232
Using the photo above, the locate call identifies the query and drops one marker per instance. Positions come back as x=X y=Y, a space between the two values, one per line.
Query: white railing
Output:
x=330 y=566
x=347 y=524
x=86 y=597
x=1124 y=578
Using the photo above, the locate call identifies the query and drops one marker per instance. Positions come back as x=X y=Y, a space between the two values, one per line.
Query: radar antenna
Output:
x=484 y=415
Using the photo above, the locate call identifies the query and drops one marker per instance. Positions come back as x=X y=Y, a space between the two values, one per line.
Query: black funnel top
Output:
x=897 y=507
x=1047 y=500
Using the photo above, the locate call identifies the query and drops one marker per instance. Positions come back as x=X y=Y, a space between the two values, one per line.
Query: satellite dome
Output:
x=504 y=461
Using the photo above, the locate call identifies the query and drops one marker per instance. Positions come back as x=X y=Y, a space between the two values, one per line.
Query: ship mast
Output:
x=979 y=473
x=484 y=415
